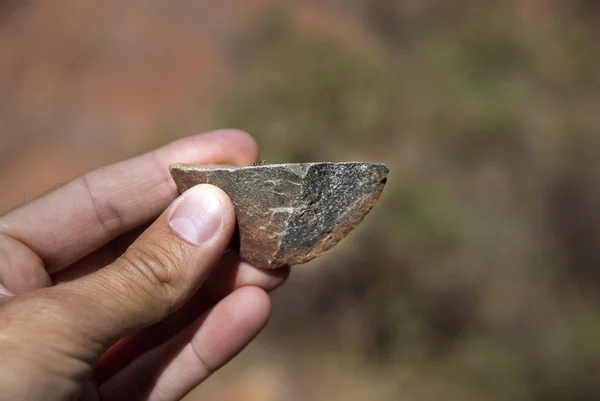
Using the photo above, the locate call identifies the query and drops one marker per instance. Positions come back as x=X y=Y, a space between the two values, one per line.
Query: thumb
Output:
x=155 y=276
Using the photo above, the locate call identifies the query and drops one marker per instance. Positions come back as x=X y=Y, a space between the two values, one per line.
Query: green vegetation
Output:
x=480 y=268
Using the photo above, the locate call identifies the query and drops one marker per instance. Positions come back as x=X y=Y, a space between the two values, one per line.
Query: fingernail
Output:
x=197 y=216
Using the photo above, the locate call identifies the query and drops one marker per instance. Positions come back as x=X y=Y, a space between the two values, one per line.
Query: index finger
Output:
x=87 y=213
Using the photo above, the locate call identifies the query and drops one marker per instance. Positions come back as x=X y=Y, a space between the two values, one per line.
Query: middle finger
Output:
x=230 y=274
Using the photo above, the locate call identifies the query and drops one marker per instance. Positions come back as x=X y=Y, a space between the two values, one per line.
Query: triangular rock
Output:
x=288 y=214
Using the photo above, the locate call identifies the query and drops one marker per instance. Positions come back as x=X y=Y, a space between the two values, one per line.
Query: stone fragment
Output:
x=288 y=214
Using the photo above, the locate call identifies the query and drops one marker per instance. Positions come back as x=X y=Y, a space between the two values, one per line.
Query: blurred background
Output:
x=476 y=276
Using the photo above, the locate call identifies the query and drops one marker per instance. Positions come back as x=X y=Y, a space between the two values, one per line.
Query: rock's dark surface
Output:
x=289 y=214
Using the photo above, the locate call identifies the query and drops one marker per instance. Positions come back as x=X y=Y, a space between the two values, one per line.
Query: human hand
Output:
x=97 y=305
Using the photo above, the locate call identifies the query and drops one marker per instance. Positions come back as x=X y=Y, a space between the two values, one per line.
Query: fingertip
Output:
x=266 y=279
x=255 y=302
x=233 y=272
x=227 y=209
x=224 y=146
x=247 y=310
x=245 y=144
x=202 y=215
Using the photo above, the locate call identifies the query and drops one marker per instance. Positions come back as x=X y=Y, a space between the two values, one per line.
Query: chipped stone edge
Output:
x=359 y=211
x=329 y=241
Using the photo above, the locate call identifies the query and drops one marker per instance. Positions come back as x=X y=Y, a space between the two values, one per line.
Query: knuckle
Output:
x=155 y=270
x=25 y=314
x=27 y=307
x=107 y=215
x=20 y=268
x=40 y=330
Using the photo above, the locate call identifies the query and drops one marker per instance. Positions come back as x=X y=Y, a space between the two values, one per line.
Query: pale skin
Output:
x=109 y=292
